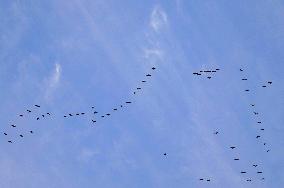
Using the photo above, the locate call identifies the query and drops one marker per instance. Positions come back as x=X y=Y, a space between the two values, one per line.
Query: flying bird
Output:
x=268 y=150
x=241 y=70
x=138 y=88
x=115 y=109
x=31 y=132
x=248 y=179
x=13 y=125
x=262 y=129
x=65 y=116
x=128 y=102
x=259 y=122
x=208 y=180
x=244 y=79
x=252 y=104
x=21 y=136
x=165 y=154
x=255 y=113
x=232 y=147
x=209 y=77
x=254 y=165
x=94 y=121
x=10 y=141
x=243 y=172
x=48 y=113
x=195 y=73
x=37 y=118
x=263 y=86
x=102 y=116
x=82 y=113
x=29 y=111
x=5 y=134
x=21 y=115
x=42 y=115
x=77 y=114
x=259 y=172
x=247 y=90
x=216 y=132
x=264 y=143
x=148 y=75
x=143 y=80
x=269 y=82
x=95 y=112
x=201 y=179
x=93 y=107
x=236 y=159
x=257 y=136
x=121 y=106
x=70 y=115
x=107 y=114
x=37 y=106
x=153 y=68
x=217 y=69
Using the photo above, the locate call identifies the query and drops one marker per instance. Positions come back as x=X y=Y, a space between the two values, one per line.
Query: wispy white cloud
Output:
x=159 y=19
x=52 y=82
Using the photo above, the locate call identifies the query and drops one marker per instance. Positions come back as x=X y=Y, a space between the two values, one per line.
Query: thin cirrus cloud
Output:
x=53 y=81
x=159 y=19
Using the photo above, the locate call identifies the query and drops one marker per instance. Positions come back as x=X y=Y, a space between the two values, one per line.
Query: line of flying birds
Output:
x=40 y=116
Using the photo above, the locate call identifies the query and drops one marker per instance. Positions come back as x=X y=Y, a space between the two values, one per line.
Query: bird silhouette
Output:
x=102 y=116
x=195 y=73
x=37 y=106
x=247 y=90
x=232 y=147
x=165 y=154
x=70 y=115
x=48 y=113
x=37 y=118
x=77 y=114
x=153 y=68
x=263 y=86
x=248 y=179
x=93 y=107
x=243 y=172
x=115 y=109
x=121 y=106
x=268 y=150
x=107 y=114
x=198 y=74
x=255 y=113
x=257 y=136
x=241 y=70
x=259 y=122
x=13 y=126
x=10 y=141
x=269 y=82
x=201 y=179
x=29 y=111
x=128 y=102
x=5 y=134
x=31 y=132
x=42 y=115
x=65 y=116
x=217 y=69
x=209 y=77
x=21 y=115
x=148 y=75
x=138 y=88
x=216 y=132
x=252 y=104
x=21 y=136
x=95 y=112
x=82 y=113
x=236 y=159
x=134 y=92
x=213 y=71
x=259 y=172
x=254 y=165
x=94 y=121
x=208 y=180
x=244 y=79
x=143 y=80
x=262 y=129
x=264 y=143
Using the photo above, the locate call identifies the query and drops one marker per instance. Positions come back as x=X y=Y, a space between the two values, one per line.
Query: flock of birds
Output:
x=69 y=115
x=258 y=136
x=207 y=73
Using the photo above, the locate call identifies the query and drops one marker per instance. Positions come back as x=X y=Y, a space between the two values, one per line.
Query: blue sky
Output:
x=70 y=55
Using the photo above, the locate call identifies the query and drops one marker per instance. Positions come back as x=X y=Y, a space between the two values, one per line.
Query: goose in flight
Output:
x=13 y=126
x=37 y=106
x=263 y=86
x=94 y=121
x=269 y=82
x=143 y=80
x=153 y=68
x=247 y=90
x=236 y=159
x=243 y=172
x=107 y=114
x=148 y=75
x=48 y=113
x=241 y=70
x=82 y=113
x=21 y=135
x=262 y=129
x=128 y=102
x=115 y=109
x=254 y=165
x=10 y=141
x=21 y=115
x=232 y=147
x=257 y=136
x=31 y=132
x=209 y=77
x=244 y=79
x=5 y=134
x=217 y=69
x=29 y=111
x=70 y=115
x=216 y=132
